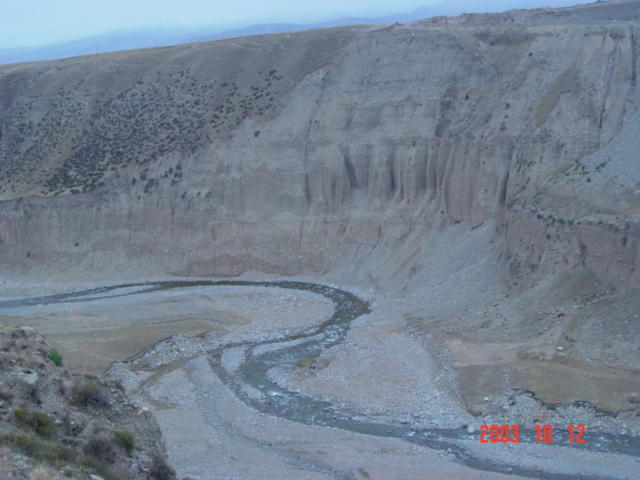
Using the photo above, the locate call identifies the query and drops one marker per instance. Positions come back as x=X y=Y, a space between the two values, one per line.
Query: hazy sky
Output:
x=41 y=22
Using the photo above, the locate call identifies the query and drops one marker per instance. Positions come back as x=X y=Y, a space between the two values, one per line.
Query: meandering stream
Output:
x=309 y=344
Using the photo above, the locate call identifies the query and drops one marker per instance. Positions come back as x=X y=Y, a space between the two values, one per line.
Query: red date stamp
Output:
x=543 y=433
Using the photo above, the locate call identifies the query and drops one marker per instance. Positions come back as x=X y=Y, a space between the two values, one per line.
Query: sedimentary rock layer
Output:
x=300 y=153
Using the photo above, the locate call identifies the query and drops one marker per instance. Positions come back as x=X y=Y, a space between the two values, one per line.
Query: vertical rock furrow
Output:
x=312 y=144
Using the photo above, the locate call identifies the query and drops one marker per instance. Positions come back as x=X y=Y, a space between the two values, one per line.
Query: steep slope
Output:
x=53 y=421
x=332 y=135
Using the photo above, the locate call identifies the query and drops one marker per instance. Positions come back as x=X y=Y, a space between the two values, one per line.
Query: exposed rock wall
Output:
x=299 y=153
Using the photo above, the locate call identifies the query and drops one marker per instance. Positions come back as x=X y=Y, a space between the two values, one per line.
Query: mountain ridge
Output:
x=150 y=38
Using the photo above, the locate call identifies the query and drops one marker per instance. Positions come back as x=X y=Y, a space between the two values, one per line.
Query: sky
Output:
x=26 y=23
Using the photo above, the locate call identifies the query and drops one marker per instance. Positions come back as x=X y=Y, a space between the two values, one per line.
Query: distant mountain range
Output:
x=128 y=40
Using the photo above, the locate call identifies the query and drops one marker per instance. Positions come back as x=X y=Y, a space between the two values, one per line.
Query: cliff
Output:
x=302 y=153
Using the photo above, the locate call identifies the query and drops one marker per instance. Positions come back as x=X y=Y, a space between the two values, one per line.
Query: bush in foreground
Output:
x=48 y=452
x=87 y=394
x=160 y=470
x=124 y=439
x=55 y=357
x=39 y=422
x=101 y=449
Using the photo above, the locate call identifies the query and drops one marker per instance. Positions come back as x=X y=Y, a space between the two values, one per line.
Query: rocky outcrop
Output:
x=300 y=153
x=55 y=421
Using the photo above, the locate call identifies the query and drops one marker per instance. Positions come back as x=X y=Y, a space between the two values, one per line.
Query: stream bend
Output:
x=307 y=345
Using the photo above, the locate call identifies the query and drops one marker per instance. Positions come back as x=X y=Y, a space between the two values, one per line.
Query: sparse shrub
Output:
x=55 y=357
x=101 y=449
x=34 y=394
x=39 y=422
x=51 y=453
x=160 y=470
x=125 y=440
x=72 y=428
x=6 y=396
x=102 y=468
x=89 y=393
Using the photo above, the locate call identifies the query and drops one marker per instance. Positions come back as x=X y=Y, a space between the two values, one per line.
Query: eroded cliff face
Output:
x=303 y=153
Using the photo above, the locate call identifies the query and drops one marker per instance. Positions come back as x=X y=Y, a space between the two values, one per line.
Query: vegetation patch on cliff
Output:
x=54 y=421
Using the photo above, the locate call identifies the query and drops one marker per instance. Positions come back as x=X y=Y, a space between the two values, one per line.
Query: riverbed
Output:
x=216 y=361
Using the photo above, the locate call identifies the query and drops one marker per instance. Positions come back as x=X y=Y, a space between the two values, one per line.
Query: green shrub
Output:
x=57 y=455
x=39 y=422
x=101 y=449
x=102 y=468
x=55 y=357
x=125 y=440
x=51 y=453
x=160 y=470
x=89 y=393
